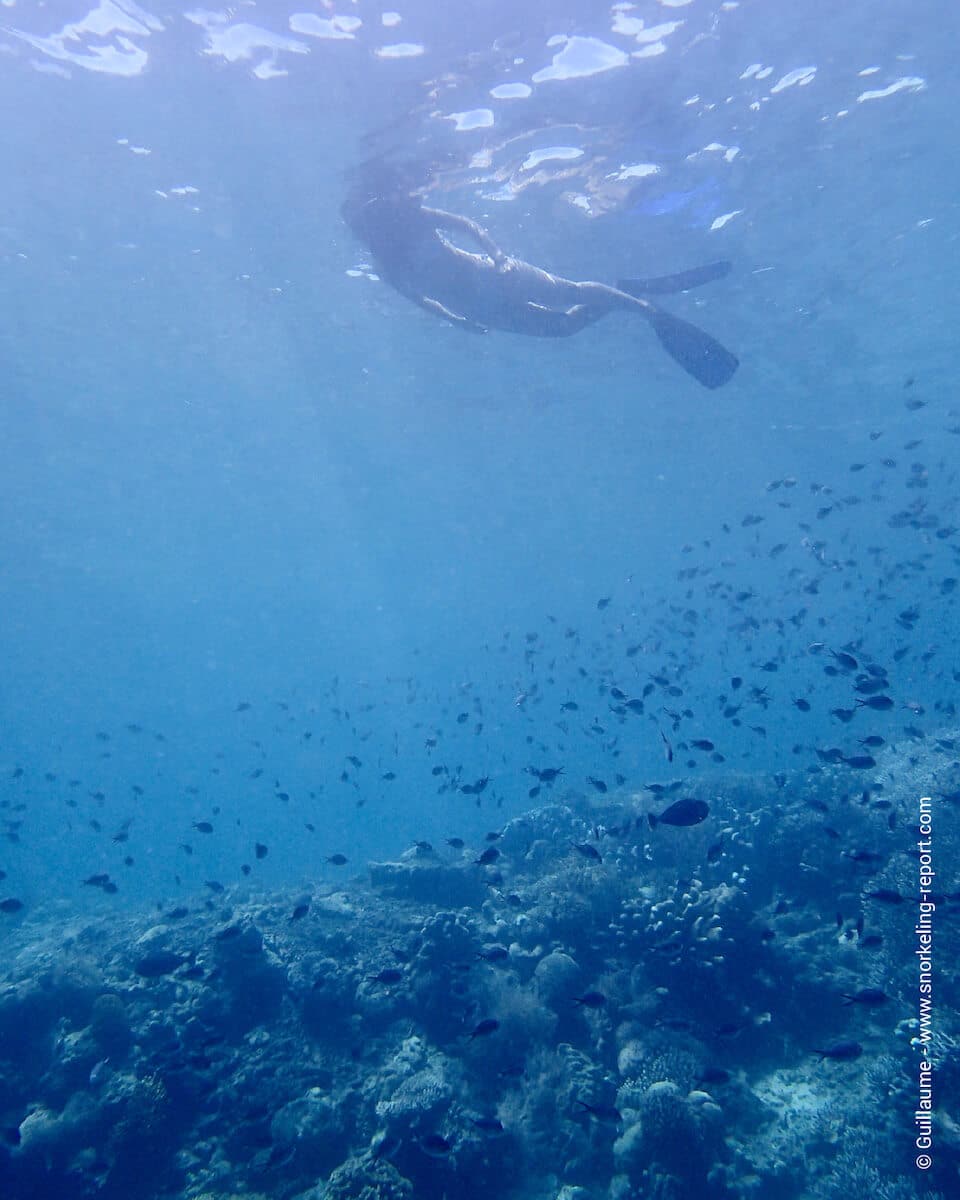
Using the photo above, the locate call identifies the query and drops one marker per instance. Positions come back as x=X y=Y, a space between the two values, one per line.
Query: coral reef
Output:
x=602 y=1026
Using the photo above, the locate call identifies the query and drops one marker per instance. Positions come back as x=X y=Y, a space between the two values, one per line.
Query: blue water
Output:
x=262 y=509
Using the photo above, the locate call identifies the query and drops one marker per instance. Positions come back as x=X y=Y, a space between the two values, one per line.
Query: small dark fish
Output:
x=869 y=996
x=487 y=1026
x=388 y=976
x=11 y=905
x=474 y=789
x=487 y=1124
x=490 y=855
x=338 y=860
x=681 y=813
x=728 y=1029
x=605 y=1113
x=597 y=783
x=802 y=705
x=157 y=963
x=260 y=850
x=879 y=703
x=203 y=827
x=588 y=851
x=435 y=1145
x=873 y=742
x=736 y=682
x=866 y=857
x=702 y=744
x=846 y=661
x=886 y=896
x=860 y=762
x=875 y=680
x=841 y=1051
x=591 y=1000
x=494 y=954
x=845 y=715
x=300 y=911
x=455 y=843
x=243 y=706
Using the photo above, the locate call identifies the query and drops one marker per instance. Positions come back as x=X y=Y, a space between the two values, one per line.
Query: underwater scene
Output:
x=479 y=565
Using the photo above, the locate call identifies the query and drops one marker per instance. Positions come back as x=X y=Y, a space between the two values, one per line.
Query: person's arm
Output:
x=457 y=224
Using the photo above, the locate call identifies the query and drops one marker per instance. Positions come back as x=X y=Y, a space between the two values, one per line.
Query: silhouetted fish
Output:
x=687 y=811
x=841 y=1051
x=157 y=963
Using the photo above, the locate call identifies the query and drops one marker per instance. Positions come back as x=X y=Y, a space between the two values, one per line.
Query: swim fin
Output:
x=697 y=352
x=664 y=285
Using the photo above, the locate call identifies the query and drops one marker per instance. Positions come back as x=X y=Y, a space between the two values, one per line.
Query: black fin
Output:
x=697 y=352
x=664 y=285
